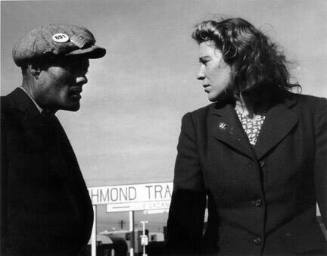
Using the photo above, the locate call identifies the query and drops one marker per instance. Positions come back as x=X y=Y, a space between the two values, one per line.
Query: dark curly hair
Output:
x=255 y=61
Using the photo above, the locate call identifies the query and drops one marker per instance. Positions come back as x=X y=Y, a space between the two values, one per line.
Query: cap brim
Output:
x=93 y=52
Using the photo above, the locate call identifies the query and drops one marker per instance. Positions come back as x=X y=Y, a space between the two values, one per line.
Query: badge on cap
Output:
x=79 y=41
x=60 y=38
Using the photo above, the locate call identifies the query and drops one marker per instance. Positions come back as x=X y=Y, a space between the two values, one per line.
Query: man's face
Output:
x=60 y=84
x=214 y=73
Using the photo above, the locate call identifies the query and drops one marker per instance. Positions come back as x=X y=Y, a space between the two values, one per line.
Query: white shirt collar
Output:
x=36 y=105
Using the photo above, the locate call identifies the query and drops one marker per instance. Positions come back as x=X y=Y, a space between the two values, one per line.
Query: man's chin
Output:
x=75 y=107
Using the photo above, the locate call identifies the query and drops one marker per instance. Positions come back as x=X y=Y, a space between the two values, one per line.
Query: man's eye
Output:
x=77 y=69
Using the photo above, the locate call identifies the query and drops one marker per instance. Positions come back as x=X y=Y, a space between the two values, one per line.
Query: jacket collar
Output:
x=22 y=102
x=279 y=121
x=227 y=128
x=37 y=106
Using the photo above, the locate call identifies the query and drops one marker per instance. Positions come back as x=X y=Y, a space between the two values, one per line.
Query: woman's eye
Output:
x=205 y=62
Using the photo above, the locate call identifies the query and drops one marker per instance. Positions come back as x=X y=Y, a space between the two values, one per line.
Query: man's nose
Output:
x=81 y=79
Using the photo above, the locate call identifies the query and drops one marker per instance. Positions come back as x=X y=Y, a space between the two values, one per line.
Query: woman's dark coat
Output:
x=261 y=199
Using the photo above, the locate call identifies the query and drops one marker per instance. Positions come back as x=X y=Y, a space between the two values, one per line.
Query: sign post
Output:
x=144 y=238
x=94 y=233
x=131 y=229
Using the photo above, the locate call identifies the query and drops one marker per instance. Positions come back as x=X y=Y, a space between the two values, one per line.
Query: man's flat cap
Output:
x=56 y=40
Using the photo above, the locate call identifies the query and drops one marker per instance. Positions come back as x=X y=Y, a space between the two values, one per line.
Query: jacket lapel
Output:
x=226 y=127
x=279 y=121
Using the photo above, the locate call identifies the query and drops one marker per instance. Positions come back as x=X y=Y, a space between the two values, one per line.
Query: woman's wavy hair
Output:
x=255 y=61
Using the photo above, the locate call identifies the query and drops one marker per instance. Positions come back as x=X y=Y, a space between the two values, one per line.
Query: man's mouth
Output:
x=75 y=96
x=75 y=93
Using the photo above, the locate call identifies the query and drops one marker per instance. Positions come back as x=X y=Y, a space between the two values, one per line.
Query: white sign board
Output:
x=150 y=196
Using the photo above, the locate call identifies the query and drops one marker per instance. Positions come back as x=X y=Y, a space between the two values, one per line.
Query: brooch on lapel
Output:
x=222 y=126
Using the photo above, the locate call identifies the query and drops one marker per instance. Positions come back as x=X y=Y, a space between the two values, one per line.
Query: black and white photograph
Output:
x=163 y=127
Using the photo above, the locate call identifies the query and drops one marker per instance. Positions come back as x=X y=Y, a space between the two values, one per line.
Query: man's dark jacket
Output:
x=261 y=199
x=45 y=206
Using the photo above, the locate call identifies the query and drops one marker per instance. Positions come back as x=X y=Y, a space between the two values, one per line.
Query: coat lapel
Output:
x=279 y=121
x=226 y=127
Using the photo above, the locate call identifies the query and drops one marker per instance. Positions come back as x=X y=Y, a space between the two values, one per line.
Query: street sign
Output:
x=134 y=197
x=144 y=240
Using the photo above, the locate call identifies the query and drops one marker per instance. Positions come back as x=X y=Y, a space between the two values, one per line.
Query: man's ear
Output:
x=35 y=70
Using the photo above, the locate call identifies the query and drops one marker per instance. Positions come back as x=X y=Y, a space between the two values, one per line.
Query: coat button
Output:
x=262 y=164
x=257 y=241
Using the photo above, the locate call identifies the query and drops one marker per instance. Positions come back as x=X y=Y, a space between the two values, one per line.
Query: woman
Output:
x=256 y=157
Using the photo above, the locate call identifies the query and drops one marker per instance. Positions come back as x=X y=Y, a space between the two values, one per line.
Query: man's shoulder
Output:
x=18 y=101
x=8 y=105
x=13 y=108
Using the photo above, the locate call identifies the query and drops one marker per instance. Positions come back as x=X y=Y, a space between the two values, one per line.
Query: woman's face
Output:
x=214 y=72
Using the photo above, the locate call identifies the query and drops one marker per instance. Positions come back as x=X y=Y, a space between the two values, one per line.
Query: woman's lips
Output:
x=206 y=87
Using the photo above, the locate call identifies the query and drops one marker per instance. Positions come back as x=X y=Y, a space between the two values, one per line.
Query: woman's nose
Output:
x=200 y=75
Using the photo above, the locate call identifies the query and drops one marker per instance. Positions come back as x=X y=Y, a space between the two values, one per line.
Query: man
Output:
x=45 y=206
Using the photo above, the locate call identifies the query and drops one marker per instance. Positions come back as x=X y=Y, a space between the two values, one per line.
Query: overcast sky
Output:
x=127 y=128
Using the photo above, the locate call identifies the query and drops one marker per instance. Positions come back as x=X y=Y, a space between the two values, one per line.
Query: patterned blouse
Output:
x=251 y=126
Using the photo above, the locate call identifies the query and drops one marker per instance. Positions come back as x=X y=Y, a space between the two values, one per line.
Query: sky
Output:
x=127 y=129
